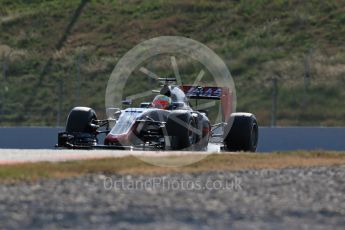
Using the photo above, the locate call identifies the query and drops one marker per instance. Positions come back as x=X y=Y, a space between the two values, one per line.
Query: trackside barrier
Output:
x=270 y=139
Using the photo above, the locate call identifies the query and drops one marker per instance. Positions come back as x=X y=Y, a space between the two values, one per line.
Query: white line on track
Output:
x=14 y=156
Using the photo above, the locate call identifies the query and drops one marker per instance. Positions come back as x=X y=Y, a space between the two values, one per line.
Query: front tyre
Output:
x=80 y=120
x=80 y=129
x=241 y=133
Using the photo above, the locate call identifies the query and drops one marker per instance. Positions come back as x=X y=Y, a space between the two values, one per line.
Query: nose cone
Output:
x=120 y=139
x=110 y=139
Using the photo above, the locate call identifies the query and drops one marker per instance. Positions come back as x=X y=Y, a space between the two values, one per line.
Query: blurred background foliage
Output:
x=298 y=43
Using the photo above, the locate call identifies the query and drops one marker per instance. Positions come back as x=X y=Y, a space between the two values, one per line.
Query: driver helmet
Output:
x=161 y=102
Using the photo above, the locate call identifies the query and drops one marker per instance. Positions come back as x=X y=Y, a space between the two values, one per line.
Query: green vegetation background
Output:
x=258 y=40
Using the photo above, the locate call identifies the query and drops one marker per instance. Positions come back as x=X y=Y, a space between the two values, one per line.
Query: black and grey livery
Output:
x=178 y=128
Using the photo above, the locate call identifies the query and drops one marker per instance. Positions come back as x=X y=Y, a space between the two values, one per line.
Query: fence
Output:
x=270 y=139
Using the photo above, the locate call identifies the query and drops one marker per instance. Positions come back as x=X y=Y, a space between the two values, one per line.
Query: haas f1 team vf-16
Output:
x=167 y=123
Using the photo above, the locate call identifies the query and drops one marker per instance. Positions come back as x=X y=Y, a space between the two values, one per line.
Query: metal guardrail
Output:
x=270 y=139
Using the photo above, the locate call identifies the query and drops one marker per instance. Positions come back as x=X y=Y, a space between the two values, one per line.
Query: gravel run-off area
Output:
x=293 y=198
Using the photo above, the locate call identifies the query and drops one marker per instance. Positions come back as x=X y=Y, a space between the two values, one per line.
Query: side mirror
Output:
x=113 y=113
x=127 y=102
x=145 y=105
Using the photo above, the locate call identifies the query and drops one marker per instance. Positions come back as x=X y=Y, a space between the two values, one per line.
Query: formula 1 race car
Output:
x=167 y=123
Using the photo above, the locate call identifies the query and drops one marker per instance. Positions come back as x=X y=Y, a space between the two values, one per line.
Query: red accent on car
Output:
x=205 y=131
x=121 y=139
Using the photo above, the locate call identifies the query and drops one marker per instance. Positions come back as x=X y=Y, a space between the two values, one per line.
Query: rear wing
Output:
x=213 y=93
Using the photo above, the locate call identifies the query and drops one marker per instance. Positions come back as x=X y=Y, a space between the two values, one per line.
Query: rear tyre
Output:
x=242 y=133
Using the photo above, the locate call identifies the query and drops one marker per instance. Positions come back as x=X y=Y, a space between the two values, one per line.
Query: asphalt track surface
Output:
x=13 y=156
x=294 y=198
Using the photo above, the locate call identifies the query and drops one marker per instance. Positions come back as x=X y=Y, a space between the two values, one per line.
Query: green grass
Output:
x=132 y=165
x=256 y=39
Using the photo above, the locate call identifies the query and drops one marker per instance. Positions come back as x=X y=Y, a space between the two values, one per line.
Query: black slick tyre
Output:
x=241 y=133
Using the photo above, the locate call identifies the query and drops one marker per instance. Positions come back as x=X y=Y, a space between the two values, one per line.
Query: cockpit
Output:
x=178 y=97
